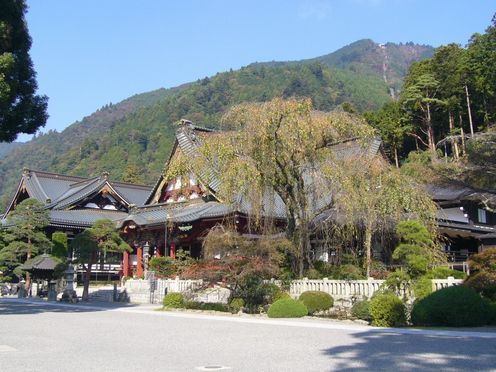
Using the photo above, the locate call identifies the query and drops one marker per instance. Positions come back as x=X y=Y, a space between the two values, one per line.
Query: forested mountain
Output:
x=389 y=61
x=132 y=139
x=6 y=147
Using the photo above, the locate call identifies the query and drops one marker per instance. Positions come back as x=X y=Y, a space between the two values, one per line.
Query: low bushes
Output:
x=236 y=305
x=177 y=301
x=174 y=300
x=316 y=301
x=387 y=310
x=209 y=306
x=484 y=283
x=423 y=285
x=360 y=310
x=483 y=277
x=255 y=293
x=287 y=308
x=281 y=295
x=453 y=306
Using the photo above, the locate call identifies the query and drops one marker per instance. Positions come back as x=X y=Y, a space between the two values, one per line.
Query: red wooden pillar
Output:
x=125 y=264
x=139 y=259
x=173 y=250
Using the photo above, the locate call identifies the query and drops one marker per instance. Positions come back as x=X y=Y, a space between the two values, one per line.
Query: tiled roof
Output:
x=178 y=212
x=42 y=262
x=353 y=147
x=455 y=191
x=83 y=217
x=134 y=194
x=74 y=195
x=189 y=143
x=59 y=191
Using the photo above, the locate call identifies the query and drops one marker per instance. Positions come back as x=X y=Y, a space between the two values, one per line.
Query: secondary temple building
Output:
x=178 y=213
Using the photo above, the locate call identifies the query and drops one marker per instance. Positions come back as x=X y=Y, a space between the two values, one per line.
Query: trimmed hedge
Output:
x=387 y=310
x=316 y=301
x=211 y=306
x=456 y=306
x=360 y=310
x=287 y=308
x=174 y=300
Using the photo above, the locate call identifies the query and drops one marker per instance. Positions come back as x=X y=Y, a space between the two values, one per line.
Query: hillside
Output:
x=132 y=139
x=6 y=148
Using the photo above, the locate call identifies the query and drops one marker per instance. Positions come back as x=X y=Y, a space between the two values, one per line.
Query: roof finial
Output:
x=25 y=171
x=105 y=174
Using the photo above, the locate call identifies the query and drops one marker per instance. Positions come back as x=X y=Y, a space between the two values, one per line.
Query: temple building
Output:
x=178 y=212
x=75 y=203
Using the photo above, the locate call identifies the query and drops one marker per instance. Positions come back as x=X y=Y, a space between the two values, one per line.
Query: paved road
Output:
x=41 y=337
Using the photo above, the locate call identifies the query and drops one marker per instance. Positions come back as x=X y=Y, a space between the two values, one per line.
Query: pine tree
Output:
x=25 y=235
x=420 y=99
x=101 y=238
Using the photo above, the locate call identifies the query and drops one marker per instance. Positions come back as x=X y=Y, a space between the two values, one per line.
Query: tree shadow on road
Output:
x=21 y=307
x=383 y=351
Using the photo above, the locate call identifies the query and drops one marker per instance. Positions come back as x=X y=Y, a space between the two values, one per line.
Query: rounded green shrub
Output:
x=236 y=304
x=316 y=301
x=387 y=310
x=174 y=300
x=360 y=310
x=281 y=295
x=453 y=306
x=287 y=308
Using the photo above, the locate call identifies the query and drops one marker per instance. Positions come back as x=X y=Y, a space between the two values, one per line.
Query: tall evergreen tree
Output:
x=450 y=69
x=393 y=126
x=482 y=62
x=21 y=110
x=420 y=99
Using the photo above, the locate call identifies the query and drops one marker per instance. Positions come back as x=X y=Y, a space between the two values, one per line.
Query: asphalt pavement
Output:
x=36 y=336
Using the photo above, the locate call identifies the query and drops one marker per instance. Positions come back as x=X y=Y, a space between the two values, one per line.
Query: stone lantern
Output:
x=69 y=294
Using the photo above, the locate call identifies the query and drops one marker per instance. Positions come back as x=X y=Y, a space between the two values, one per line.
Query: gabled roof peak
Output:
x=184 y=123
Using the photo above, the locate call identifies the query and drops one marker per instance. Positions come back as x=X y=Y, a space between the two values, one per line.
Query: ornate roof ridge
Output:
x=175 y=205
x=54 y=175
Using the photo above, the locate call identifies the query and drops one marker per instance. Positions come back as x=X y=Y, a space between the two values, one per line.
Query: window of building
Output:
x=482 y=215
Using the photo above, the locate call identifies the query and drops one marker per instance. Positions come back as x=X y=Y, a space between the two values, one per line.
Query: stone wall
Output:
x=141 y=291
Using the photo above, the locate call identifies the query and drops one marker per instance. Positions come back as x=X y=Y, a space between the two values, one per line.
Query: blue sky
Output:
x=89 y=53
